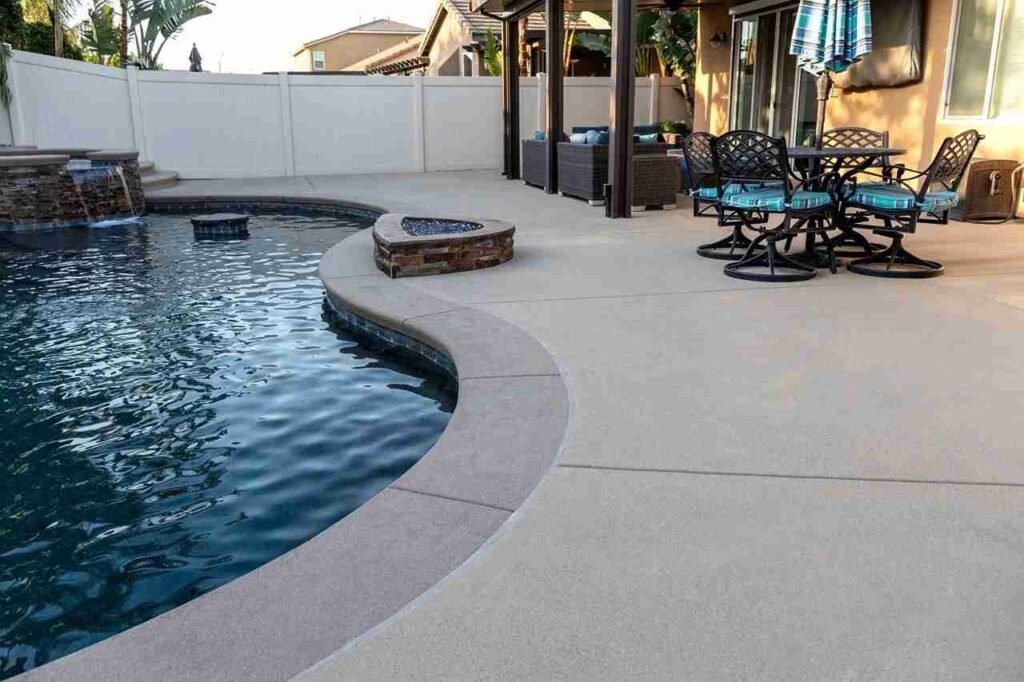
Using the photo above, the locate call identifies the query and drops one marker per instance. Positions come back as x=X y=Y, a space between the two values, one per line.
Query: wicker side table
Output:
x=655 y=181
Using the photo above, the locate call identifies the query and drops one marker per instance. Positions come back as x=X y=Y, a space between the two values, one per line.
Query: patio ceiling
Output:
x=520 y=6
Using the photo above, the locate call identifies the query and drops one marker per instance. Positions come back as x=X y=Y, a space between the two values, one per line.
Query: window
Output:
x=988 y=51
x=319 y=61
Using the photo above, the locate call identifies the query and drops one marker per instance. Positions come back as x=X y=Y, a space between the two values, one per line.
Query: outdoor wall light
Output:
x=719 y=39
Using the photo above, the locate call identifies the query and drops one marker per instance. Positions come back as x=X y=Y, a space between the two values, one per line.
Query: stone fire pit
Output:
x=411 y=246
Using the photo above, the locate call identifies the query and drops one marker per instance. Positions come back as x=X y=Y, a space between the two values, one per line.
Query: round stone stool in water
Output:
x=221 y=226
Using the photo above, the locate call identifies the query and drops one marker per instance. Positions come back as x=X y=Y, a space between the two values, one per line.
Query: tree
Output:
x=99 y=34
x=155 y=22
x=123 y=51
x=492 y=55
x=12 y=21
x=5 y=88
x=62 y=12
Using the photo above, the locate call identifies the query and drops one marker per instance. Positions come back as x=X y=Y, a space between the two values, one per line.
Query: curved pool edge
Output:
x=306 y=605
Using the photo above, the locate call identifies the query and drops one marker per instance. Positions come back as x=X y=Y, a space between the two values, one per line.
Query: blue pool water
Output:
x=175 y=414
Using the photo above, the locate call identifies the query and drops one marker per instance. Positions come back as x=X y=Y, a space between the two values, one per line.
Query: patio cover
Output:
x=521 y=6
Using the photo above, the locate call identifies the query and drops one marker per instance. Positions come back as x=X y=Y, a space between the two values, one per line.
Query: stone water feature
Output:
x=42 y=189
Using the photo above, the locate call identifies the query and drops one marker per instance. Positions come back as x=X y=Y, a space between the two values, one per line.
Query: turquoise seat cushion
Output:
x=730 y=189
x=539 y=135
x=653 y=138
x=773 y=200
x=897 y=198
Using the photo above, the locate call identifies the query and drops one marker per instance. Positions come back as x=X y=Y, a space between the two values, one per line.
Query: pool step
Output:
x=154 y=179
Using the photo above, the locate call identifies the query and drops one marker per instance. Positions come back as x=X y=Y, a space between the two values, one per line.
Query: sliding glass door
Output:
x=769 y=93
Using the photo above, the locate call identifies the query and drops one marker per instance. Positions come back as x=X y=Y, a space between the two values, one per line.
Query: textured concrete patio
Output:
x=815 y=481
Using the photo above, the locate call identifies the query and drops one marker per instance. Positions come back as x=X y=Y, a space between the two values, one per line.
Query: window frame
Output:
x=986 y=114
x=323 y=59
x=756 y=10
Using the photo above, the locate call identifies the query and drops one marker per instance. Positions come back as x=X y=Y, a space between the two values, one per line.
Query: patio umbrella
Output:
x=829 y=36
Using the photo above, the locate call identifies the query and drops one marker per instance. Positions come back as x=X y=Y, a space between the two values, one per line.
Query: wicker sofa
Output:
x=535 y=162
x=583 y=169
x=583 y=173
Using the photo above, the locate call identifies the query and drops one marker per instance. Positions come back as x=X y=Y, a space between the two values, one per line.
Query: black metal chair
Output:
x=846 y=138
x=747 y=158
x=703 y=189
x=901 y=207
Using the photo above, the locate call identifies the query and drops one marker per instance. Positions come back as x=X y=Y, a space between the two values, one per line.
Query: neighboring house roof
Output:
x=479 y=24
x=405 y=50
x=378 y=27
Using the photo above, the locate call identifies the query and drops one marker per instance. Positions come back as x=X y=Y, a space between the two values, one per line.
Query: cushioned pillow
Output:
x=597 y=137
x=540 y=136
x=649 y=139
x=578 y=138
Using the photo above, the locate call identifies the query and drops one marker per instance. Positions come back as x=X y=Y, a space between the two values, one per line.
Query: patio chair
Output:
x=847 y=137
x=901 y=207
x=701 y=185
x=745 y=158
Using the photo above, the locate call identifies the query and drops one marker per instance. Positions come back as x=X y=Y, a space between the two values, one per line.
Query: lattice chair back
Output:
x=952 y=160
x=749 y=156
x=852 y=136
x=700 y=163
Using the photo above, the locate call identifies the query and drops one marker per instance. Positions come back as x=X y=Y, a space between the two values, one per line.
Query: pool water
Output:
x=177 y=413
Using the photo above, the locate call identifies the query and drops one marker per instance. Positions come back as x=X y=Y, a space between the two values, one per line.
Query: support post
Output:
x=655 y=100
x=555 y=43
x=287 y=138
x=510 y=75
x=824 y=87
x=623 y=105
x=135 y=111
x=419 y=141
x=542 y=102
x=506 y=112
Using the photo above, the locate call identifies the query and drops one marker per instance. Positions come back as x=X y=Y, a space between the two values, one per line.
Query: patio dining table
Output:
x=811 y=163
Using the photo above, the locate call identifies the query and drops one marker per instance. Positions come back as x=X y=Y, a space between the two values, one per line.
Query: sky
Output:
x=252 y=36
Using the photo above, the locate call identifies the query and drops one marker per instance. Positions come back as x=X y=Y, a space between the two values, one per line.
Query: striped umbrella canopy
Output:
x=829 y=36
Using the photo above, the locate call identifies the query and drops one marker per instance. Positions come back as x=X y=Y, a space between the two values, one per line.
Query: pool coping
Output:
x=286 y=616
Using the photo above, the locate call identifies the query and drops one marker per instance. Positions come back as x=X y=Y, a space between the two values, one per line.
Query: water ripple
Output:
x=177 y=413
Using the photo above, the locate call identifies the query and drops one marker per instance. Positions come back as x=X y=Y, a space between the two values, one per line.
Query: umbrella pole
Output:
x=824 y=90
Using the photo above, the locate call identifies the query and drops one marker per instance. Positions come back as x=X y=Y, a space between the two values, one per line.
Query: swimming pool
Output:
x=177 y=413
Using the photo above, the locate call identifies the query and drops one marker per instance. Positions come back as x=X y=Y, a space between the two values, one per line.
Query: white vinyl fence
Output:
x=206 y=125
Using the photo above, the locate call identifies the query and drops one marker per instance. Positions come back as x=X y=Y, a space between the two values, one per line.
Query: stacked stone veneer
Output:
x=37 y=191
x=399 y=254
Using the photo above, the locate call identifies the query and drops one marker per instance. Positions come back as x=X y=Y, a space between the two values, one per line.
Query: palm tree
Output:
x=124 y=33
x=61 y=14
x=155 y=22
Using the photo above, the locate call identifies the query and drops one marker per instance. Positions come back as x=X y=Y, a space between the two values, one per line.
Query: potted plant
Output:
x=673 y=132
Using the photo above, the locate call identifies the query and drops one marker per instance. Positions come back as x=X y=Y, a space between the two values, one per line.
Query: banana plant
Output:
x=492 y=55
x=99 y=34
x=155 y=22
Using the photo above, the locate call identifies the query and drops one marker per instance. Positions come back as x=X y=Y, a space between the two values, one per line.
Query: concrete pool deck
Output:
x=812 y=481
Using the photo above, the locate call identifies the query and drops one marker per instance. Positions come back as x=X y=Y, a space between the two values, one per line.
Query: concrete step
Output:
x=159 y=180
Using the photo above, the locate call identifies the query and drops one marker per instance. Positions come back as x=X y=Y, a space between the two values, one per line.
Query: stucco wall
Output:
x=343 y=51
x=448 y=45
x=711 y=91
x=913 y=114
